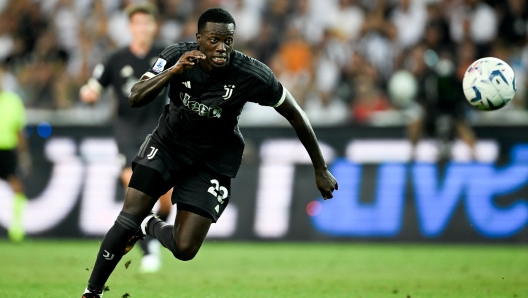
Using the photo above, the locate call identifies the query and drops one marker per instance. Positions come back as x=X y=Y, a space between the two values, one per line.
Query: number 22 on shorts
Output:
x=217 y=188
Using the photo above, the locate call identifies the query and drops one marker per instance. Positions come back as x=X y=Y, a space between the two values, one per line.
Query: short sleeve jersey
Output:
x=12 y=119
x=121 y=70
x=202 y=118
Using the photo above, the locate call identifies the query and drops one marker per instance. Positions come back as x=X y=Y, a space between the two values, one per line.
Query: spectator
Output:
x=42 y=76
x=378 y=44
x=368 y=99
x=347 y=20
x=409 y=18
x=475 y=21
x=309 y=25
x=513 y=24
x=248 y=20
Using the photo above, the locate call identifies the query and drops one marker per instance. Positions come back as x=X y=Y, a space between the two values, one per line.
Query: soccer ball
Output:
x=489 y=84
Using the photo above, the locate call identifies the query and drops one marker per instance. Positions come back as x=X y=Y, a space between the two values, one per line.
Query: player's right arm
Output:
x=89 y=94
x=101 y=78
x=150 y=85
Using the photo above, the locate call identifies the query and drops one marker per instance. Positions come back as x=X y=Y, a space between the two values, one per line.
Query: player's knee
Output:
x=185 y=251
x=182 y=256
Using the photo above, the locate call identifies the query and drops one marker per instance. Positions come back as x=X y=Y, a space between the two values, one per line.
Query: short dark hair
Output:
x=215 y=15
x=145 y=7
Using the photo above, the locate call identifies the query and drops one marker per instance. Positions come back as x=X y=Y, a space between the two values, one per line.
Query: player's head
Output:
x=215 y=37
x=142 y=19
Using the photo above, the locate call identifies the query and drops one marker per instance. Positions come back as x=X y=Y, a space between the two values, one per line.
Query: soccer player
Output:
x=121 y=71
x=12 y=121
x=197 y=146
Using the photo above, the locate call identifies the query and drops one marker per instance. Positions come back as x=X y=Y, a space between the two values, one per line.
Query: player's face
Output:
x=143 y=27
x=216 y=42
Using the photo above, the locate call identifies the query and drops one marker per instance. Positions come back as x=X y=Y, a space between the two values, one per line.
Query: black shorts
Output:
x=197 y=188
x=8 y=163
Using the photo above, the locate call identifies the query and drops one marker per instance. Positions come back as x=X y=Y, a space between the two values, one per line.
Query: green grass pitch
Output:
x=43 y=268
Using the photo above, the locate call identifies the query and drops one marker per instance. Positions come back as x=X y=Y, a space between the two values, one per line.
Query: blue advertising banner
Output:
x=478 y=195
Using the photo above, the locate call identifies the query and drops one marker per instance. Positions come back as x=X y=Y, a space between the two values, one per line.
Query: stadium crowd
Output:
x=337 y=57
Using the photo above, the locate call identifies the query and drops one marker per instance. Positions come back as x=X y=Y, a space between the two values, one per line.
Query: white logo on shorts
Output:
x=152 y=153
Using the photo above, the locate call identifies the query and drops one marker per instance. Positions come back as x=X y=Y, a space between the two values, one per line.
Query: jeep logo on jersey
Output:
x=229 y=91
x=200 y=108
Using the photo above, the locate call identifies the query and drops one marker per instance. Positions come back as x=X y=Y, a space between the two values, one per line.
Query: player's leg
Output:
x=126 y=174
x=465 y=132
x=185 y=237
x=201 y=196
x=16 y=228
x=128 y=145
x=414 y=132
x=146 y=185
x=8 y=164
x=151 y=261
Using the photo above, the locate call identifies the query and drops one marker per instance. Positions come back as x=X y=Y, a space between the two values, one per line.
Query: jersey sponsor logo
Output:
x=187 y=84
x=159 y=65
x=152 y=153
x=229 y=91
x=200 y=108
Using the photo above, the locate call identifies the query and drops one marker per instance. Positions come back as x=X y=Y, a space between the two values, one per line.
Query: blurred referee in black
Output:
x=122 y=70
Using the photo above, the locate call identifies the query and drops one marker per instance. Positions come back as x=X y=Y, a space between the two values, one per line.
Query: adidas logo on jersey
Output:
x=187 y=84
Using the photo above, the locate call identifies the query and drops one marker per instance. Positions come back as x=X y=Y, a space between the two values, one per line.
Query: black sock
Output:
x=144 y=243
x=163 y=232
x=112 y=249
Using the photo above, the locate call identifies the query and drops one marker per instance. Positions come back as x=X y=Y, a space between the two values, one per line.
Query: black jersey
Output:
x=122 y=70
x=202 y=117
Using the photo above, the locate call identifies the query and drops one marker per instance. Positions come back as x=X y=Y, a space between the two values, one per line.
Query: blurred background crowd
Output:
x=345 y=61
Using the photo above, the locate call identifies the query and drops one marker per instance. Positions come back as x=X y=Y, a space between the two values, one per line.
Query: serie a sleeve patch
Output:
x=159 y=66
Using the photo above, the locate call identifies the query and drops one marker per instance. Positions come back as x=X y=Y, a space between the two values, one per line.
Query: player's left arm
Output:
x=289 y=109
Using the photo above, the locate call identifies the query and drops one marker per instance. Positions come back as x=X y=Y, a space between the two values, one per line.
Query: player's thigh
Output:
x=190 y=230
x=145 y=187
x=202 y=191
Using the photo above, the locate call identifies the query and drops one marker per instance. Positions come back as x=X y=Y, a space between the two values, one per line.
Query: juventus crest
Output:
x=229 y=91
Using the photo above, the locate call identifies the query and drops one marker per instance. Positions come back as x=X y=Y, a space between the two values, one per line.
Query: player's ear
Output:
x=198 y=37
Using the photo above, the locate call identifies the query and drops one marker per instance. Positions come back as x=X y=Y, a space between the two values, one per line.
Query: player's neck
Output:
x=140 y=48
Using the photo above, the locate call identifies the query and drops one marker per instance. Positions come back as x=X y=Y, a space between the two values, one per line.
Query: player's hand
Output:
x=88 y=94
x=326 y=183
x=187 y=61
